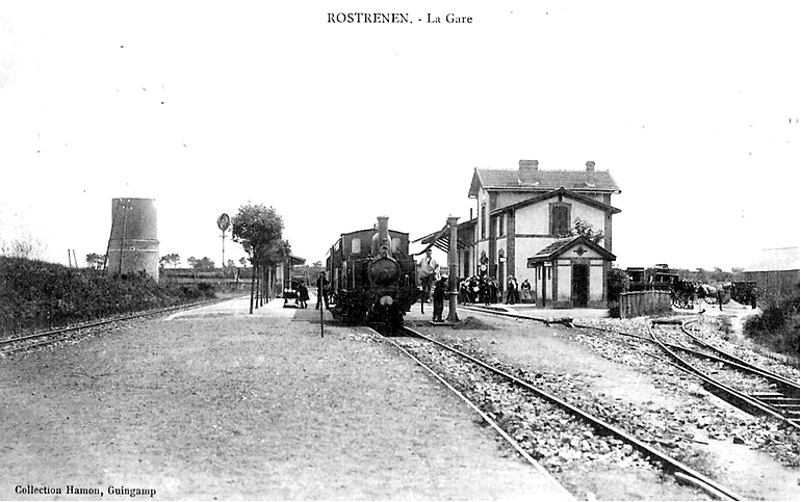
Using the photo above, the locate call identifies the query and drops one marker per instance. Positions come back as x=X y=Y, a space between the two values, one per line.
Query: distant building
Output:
x=283 y=273
x=775 y=271
x=523 y=225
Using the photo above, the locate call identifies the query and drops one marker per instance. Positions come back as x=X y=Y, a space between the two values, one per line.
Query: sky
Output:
x=205 y=106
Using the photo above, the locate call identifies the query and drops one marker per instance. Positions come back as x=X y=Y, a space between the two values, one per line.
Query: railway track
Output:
x=763 y=392
x=754 y=389
x=529 y=400
x=23 y=343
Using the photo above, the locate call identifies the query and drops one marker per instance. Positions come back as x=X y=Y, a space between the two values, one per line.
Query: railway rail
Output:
x=592 y=424
x=22 y=343
x=759 y=391
x=775 y=395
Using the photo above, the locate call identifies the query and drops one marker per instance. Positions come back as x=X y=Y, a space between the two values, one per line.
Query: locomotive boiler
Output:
x=372 y=276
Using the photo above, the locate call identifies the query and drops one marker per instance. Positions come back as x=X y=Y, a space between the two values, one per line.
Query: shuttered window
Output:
x=560 y=220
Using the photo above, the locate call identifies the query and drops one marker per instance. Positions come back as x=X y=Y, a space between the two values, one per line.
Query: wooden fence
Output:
x=640 y=303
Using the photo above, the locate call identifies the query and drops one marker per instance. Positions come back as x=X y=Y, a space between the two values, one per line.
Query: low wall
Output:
x=642 y=303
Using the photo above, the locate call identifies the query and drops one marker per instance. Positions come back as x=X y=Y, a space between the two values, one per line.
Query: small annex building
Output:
x=571 y=270
x=523 y=229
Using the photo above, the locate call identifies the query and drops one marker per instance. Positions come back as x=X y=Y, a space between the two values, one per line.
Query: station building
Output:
x=523 y=229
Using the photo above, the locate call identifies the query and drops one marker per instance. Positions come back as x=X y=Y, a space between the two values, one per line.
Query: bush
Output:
x=617 y=283
x=39 y=295
x=777 y=327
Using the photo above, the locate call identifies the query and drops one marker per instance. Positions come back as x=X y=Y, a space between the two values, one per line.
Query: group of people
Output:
x=486 y=290
x=303 y=296
x=518 y=294
x=322 y=295
x=479 y=290
x=476 y=289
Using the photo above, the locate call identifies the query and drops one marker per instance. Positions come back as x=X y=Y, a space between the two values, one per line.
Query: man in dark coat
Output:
x=322 y=291
x=439 y=299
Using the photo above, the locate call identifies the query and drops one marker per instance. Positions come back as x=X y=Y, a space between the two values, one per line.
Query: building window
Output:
x=560 y=219
x=494 y=229
x=501 y=217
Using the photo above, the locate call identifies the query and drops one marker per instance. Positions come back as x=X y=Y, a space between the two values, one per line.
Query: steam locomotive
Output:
x=372 y=276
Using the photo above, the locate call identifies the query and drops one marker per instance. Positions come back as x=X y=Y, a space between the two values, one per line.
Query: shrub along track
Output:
x=538 y=420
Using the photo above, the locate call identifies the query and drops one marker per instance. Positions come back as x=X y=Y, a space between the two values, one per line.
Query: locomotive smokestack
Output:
x=383 y=234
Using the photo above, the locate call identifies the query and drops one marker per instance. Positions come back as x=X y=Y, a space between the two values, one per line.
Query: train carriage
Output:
x=684 y=293
x=662 y=278
x=372 y=275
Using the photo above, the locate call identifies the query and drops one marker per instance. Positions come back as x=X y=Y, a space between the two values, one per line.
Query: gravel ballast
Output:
x=217 y=404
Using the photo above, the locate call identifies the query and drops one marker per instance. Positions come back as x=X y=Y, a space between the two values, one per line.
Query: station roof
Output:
x=553 y=193
x=775 y=259
x=556 y=248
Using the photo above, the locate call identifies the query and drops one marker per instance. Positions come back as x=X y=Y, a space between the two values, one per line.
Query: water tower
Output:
x=133 y=247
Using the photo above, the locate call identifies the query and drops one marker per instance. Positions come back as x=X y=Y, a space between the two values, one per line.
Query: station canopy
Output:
x=441 y=239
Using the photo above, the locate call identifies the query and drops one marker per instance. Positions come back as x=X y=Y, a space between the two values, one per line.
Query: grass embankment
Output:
x=37 y=295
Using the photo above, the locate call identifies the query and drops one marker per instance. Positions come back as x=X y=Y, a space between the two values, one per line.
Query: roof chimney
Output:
x=590 y=166
x=527 y=171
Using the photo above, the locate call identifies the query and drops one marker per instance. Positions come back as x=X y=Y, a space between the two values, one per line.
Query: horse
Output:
x=721 y=293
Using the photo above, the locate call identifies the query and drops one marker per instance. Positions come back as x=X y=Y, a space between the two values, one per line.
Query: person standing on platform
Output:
x=427 y=268
x=322 y=291
x=439 y=298
x=511 y=291
x=303 y=296
x=525 y=292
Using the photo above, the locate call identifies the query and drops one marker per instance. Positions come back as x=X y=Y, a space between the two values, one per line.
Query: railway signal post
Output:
x=223 y=222
x=453 y=270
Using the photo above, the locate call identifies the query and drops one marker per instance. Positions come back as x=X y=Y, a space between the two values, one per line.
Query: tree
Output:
x=204 y=263
x=259 y=229
x=95 y=261
x=172 y=260
x=581 y=227
x=702 y=276
x=617 y=283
